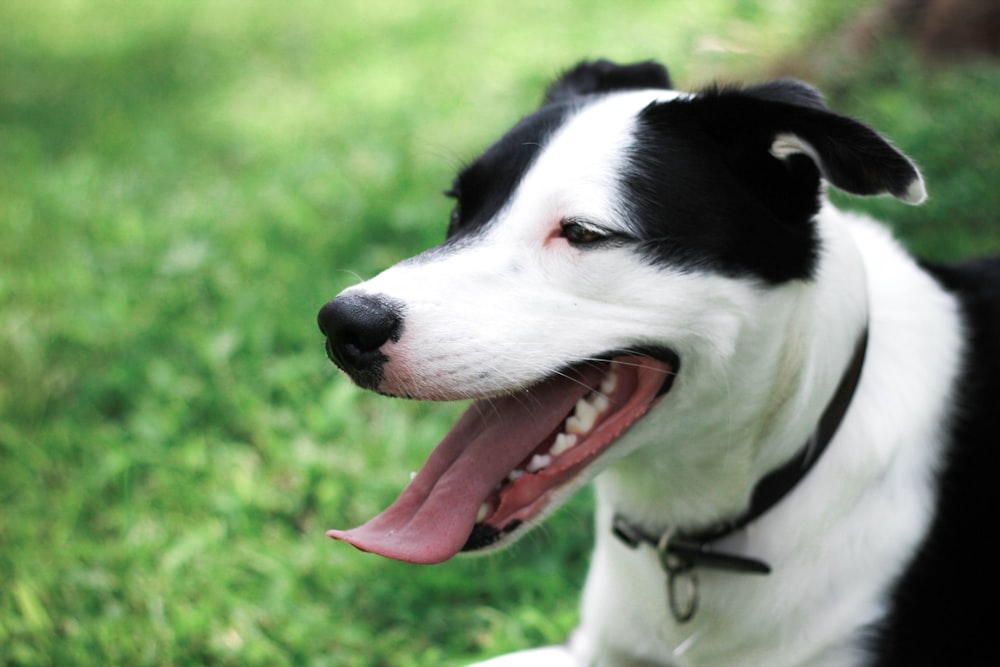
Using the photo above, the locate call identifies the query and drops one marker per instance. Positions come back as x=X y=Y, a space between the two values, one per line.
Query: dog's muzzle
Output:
x=357 y=327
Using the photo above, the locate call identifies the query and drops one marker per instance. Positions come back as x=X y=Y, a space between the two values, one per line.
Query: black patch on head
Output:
x=704 y=189
x=485 y=186
x=701 y=204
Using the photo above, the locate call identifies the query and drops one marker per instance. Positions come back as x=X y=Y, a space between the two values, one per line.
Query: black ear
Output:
x=602 y=76
x=788 y=91
x=786 y=121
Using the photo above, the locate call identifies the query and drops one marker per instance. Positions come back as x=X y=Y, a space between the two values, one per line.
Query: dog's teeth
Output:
x=514 y=475
x=586 y=411
x=413 y=475
x=600 y=402
x=576 y=426
x=538 y=462
x=563 y=443
x=582 y=420
x=484 y=509
x=609 y=382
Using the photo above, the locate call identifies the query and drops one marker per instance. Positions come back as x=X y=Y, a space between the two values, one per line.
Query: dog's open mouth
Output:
x=501 y=464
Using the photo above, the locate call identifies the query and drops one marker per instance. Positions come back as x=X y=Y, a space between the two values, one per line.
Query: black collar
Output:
x=681 y=551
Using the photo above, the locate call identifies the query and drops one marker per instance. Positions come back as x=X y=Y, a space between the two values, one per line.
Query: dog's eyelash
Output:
x=583 y=233
x=578 y=233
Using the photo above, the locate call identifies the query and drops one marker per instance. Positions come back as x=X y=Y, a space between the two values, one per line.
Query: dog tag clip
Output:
x=679 y=556
x=682 y=582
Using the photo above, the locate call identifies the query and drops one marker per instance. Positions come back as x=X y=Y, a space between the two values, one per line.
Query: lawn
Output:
x=183 y=184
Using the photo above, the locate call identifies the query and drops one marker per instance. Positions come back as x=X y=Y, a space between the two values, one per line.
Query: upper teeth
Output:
x=582 y=420
x=609 y=382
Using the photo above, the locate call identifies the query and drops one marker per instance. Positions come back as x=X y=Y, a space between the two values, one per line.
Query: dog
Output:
x=792 y=426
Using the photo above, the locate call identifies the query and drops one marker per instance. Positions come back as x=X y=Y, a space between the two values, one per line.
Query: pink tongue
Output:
x=433 y=517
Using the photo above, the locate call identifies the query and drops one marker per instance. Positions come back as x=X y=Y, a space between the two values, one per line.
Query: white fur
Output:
x=759 y=366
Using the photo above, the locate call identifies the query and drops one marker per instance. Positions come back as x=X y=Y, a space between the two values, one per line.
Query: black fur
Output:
x=482 y=188
x=852 y=156
x=603 y=76
x=942 y=609
x=703 y=199
x=708 y=191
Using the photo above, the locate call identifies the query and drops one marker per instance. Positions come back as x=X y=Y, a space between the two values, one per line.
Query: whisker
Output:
x=353 y=274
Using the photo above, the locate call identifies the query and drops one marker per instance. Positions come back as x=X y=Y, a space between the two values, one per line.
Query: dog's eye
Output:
x=579 y=234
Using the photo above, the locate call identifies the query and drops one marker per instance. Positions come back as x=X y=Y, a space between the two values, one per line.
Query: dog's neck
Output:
x=680 y=552
x=737 y=417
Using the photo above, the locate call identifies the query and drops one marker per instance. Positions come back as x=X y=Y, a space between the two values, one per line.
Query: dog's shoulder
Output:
x=976 y=285
x=940 y=594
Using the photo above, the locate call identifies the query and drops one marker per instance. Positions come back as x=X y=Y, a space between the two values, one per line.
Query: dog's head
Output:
x=602 y=256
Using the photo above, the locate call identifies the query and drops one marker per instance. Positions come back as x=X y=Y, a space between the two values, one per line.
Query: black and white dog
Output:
x=792 y=426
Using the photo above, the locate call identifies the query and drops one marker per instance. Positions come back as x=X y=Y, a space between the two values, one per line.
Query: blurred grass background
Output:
x=184 y=184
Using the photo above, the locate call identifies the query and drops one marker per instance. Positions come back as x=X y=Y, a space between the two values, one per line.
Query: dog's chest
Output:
x=627 y=598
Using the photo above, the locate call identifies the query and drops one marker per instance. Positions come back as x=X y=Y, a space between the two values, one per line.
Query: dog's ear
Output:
x=785 y=124
x=602 y=76
x=787 y=91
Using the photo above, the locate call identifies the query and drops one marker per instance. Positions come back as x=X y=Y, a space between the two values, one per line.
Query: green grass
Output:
x=184 y=184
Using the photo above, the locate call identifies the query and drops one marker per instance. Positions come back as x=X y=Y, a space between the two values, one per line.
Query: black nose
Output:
x=356 y=327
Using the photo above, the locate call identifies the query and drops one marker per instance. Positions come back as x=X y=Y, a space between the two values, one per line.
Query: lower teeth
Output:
x=538 y=462
x=563 y=443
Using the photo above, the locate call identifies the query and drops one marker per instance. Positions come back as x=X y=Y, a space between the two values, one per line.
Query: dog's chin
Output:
x=510 y=461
